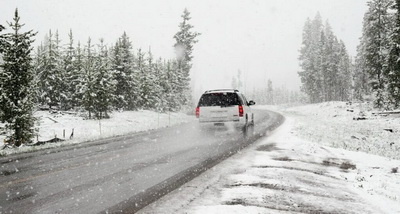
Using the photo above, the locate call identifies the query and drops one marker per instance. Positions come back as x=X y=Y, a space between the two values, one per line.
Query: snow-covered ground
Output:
x=335 y=124
x=51 y=125
x=296 y=169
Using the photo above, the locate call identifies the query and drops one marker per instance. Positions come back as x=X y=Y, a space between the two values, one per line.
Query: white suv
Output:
x=225 y=106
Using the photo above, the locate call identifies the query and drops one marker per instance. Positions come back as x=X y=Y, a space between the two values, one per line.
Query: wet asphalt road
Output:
x=118 y=175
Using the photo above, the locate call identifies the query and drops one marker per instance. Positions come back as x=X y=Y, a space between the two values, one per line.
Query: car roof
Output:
x=221 y=91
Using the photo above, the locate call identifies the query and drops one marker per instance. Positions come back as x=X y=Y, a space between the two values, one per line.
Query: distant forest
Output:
x=92 y=77
x=328 y=73
x=100 y=78
x=325 y=63
x=268 y=94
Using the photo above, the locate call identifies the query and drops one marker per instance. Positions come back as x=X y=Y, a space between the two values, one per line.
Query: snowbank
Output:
x=62 y=125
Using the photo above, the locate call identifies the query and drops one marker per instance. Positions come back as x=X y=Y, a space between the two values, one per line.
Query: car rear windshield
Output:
x=219 y=99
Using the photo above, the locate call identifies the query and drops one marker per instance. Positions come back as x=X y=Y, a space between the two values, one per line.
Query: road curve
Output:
x=121 y=174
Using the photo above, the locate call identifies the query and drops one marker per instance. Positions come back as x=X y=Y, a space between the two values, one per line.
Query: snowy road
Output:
x=115 y=174
x=286 y=174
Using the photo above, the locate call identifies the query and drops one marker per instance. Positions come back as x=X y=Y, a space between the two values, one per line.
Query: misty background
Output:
x=260 y=38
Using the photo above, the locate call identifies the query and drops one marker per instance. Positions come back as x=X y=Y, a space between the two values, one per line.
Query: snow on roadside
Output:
x=333 y=124
x=284 y=174
x=53 y=125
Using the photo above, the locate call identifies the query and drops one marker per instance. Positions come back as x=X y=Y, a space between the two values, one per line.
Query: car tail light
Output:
x=240 y=111
x=198 y=112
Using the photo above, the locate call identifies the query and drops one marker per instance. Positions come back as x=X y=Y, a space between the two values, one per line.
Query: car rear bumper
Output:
x=237 y=123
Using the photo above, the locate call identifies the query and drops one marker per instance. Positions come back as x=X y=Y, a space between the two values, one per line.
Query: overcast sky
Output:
x=262 y=38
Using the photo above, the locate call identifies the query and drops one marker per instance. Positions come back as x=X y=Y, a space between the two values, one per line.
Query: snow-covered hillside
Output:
x=51 y=125
x=354 y=127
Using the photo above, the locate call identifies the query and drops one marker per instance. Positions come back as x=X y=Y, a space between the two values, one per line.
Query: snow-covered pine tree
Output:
x=41 y=73
x=174 y=95
x=318 y=41
x=321 y=56
x=50 y=76
x=122 y=64
x=162 y=78
x=61 y=73
x=330 y=54
x=185 y=39
x=343 y=83
x=78 y=76
x=104 y=85
x=70 y=74
x=393 y=71
x=87 y=85
x=167 y=87
x=376 y=35
x=310 y=59
x=37 y=66
x=16 y=96
x=160 y=81
x=323 y=65
x=270 y=93
x=360 y=74
x=305 y=60
x=119 y=77
x=144 y=83
x=234 y=83
x=128 y=65
x=154 y=72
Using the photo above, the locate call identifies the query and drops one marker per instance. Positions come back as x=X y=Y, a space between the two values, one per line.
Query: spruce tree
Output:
x=376 y=33
x=305 y=60
x=330 y=71
x=147 y=80
x=116 y=66
x=360 y=75
x=144 y=82
x=78 y=76
x=160 y=81
x=37 y=65
x=104 y=85
x=62 y=74
x=343 y=83
x=317 y=60
x=185 y=38
x=234 y=83
x=16 y=78
x=151 y=73
x=123 y=67
x=393 y=71
x=87 y=84
x=51 y=74
x=325 y=63
x=169 y=87
x=270 y=93
x=310 y=59
x=70 y=75
x=174 y=97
